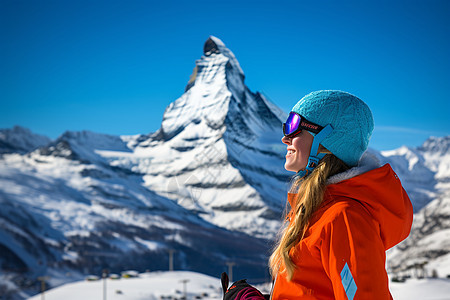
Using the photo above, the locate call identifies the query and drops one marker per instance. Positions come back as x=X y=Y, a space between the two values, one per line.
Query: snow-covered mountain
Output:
x=219 y=147
x=20 y=140
x=425 y=170
x=209 y=184
x=65 y=209
x=427 y=249
x=425 y=173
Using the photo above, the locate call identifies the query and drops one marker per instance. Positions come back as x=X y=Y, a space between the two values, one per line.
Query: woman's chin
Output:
x=289 y=167
x=294 y=166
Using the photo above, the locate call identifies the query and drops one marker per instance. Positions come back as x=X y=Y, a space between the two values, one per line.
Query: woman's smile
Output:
x=290 y=152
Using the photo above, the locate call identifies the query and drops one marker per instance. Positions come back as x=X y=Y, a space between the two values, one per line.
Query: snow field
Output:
x=169 y=285
x=423 y=289
x=154 y=285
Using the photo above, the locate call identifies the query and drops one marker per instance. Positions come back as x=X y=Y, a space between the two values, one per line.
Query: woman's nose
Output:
x=286 y=140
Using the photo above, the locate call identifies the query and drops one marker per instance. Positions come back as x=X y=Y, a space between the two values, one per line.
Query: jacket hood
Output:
x=380 y=191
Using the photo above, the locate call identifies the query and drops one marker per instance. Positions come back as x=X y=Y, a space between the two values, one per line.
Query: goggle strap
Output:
x=319 y=138
x=314 y=158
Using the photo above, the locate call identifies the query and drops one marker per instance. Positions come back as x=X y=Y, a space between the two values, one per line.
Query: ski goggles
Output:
x=296 y=123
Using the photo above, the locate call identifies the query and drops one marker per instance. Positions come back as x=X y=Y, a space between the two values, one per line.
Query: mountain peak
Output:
x=439 y=145
x=210 y=46
x=214 y=45
x=220 y=143
x=216 y=81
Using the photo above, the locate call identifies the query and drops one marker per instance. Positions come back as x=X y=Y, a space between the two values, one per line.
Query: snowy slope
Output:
x=154 y=285
x=427 y=249
x=162 y=285
x=66 y=209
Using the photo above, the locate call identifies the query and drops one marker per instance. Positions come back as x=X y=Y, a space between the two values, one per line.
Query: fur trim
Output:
x=367 y=163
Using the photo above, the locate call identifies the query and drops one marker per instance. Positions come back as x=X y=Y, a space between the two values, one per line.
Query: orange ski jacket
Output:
x=342 y=255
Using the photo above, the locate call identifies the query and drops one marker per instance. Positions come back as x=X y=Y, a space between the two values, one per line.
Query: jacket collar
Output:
x=367 y=163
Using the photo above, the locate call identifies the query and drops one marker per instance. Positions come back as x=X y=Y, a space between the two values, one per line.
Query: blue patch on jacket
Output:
x=348 y=282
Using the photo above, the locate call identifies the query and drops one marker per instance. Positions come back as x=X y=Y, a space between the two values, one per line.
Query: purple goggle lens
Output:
x=295 y=123
x=292 y=123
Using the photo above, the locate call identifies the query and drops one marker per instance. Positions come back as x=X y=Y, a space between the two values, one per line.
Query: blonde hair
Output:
x=310 y=195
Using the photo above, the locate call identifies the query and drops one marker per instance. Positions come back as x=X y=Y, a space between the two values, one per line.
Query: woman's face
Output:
x=298 y=148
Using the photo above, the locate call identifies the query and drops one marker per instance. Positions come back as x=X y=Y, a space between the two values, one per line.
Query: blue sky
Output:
x=114 y=66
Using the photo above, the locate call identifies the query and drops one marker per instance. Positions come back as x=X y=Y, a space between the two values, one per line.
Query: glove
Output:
x=240 y=290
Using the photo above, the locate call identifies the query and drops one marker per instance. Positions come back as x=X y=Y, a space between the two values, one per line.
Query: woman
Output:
x=345 y=210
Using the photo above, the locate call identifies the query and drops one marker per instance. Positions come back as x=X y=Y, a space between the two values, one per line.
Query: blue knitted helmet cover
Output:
x=349 y=116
